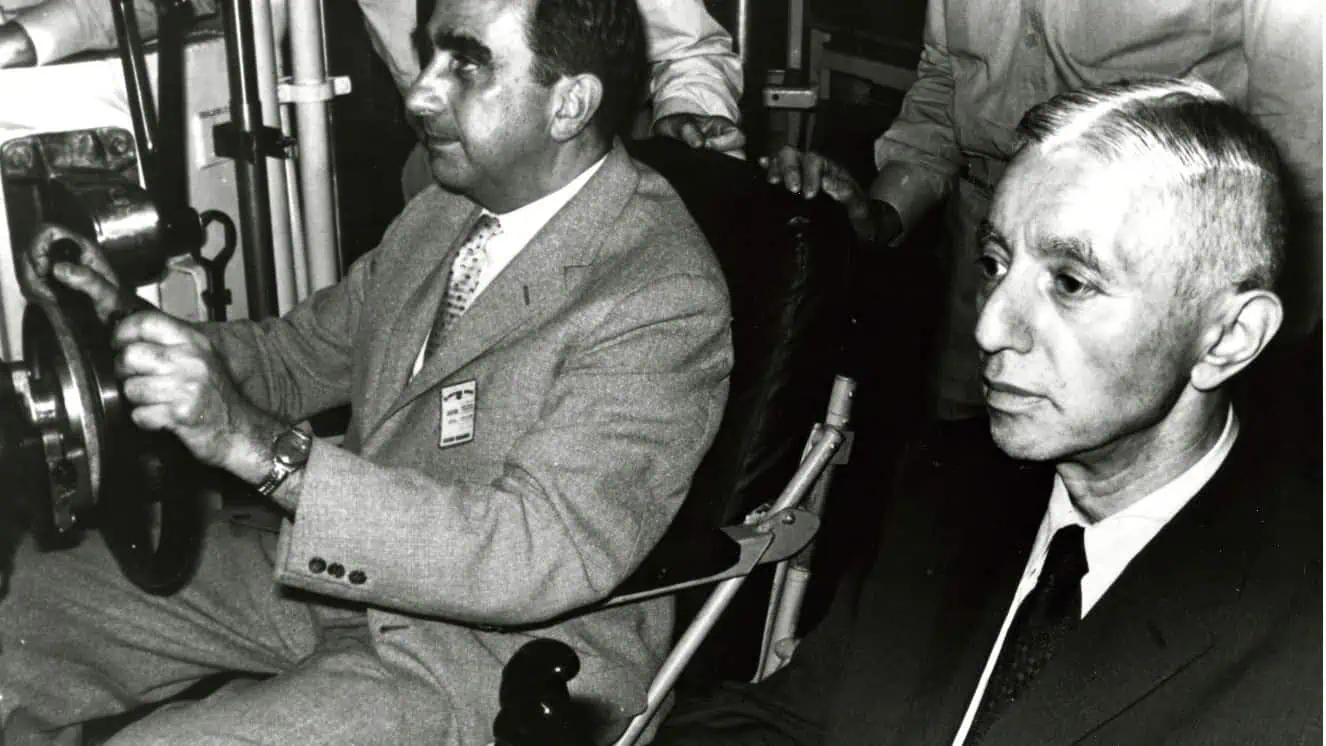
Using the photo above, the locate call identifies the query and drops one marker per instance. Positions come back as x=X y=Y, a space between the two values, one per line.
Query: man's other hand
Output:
x=809 y=173
x=89 y=273
x=175 y=380
x=16 y=49
x=710 y=133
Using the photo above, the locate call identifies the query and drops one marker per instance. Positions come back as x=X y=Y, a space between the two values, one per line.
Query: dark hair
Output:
x=603 y=37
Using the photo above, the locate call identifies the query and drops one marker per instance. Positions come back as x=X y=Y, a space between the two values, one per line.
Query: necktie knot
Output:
x=1061 y=576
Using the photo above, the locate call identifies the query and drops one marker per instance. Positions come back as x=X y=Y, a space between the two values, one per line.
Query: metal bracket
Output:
x=289 y=92
x=268 y=142
x=790 y=97
x=792 y=529
x=772 y=538
x=844 y=453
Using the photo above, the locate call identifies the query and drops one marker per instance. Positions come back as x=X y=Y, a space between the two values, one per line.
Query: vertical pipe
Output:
x=298 y=248
x=796 y=31
x=264 y=43
x=743 y=32
x=313 y=127
x=250 y=165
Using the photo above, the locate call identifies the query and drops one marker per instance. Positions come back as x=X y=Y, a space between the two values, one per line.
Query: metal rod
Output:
x=255 y=225
x=313 y=126
x=265 y=33
x=743 y=32
x=137 y=88
x=676 y=661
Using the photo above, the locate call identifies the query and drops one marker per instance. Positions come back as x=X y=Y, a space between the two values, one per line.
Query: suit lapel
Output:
x=1157 y=617
x=975 y=601
x=415 y=292
x=931 y=630
x=531 y=287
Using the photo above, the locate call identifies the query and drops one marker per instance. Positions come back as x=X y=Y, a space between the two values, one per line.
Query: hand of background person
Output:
x=808 y=174
x=16 y=49
x=711 y=133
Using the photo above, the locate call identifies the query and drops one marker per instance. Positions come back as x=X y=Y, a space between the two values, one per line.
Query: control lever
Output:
x=536 y=707
x=160 y=139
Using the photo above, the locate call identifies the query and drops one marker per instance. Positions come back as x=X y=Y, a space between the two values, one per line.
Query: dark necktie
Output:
x=1047 y=615
x=462 y=280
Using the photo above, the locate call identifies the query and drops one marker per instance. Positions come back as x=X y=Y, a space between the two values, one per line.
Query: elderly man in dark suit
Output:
x=1109 y=558
x=536 y=356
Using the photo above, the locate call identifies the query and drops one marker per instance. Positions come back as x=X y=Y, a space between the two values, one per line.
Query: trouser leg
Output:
x=345 y=695
x=78 y=641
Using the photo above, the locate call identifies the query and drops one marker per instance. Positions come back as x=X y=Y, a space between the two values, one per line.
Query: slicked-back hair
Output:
x=1211 y=167
x=603 y=37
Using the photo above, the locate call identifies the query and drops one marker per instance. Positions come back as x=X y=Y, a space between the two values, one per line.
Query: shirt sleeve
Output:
x=1283 y=43
x=60 y=28
x=918 y=155
x=693 y=69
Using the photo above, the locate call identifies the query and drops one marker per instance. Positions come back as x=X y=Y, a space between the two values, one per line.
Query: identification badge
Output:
x=458 y=405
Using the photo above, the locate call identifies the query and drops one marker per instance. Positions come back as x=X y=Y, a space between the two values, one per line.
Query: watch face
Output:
x=292 y=447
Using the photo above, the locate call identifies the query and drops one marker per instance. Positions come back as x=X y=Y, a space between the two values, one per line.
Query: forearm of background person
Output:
x=918 y=155
x=60 y=28
x=1283 y=45
x=391 y=25
x=693 y=69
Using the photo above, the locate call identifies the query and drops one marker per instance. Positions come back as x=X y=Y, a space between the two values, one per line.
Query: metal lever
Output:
x=161 y=139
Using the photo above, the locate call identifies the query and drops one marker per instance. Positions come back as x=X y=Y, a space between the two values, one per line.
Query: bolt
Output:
x=119 y=144
x=18 y=156
x=789 y=519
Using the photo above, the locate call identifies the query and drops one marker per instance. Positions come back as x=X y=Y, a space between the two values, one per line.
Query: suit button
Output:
x=336 y=569
x=357 y=577
x=317 y=565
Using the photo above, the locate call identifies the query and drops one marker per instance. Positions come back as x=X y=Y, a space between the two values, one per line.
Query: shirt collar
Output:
x=521 y=224
x=1112 y=542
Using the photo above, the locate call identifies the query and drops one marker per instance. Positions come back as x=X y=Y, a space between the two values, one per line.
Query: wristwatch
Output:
x=289 y=454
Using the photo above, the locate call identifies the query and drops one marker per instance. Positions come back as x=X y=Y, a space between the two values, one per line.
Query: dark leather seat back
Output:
x=786 y=261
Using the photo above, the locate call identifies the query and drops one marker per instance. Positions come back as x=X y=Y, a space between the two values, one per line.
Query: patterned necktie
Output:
x=463 y=280
x=1048 y=614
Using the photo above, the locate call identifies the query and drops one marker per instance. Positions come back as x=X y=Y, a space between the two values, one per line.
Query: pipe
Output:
x=298 y=248
x=743 y=32
x=265 y=32
x=250 y=165
x=313 y=125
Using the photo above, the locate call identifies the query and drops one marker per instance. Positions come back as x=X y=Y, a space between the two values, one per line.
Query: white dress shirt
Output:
x=518 y=228
x=1110 y=543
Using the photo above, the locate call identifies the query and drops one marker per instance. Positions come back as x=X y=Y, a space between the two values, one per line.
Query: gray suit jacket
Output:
x=601 y=356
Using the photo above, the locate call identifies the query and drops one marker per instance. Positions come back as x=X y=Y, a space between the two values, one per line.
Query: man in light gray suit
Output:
x=536 y=357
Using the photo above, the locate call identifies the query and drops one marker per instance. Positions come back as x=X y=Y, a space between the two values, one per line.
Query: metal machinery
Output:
x=107 y=159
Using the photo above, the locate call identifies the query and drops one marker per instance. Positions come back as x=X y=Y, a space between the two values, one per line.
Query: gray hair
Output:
x=1216 y=171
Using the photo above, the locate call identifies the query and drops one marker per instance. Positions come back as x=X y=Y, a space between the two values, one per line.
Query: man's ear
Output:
x=1236 y=337
x=575 y=101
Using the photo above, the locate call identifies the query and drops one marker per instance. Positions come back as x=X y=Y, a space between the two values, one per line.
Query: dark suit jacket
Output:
x=1211 y=635
x=600 y=356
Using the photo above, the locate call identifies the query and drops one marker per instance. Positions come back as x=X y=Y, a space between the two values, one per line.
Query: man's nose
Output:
x=425 y=96
x=1003 y=323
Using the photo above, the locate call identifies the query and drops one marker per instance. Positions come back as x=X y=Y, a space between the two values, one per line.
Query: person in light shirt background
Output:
x=695 y=77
